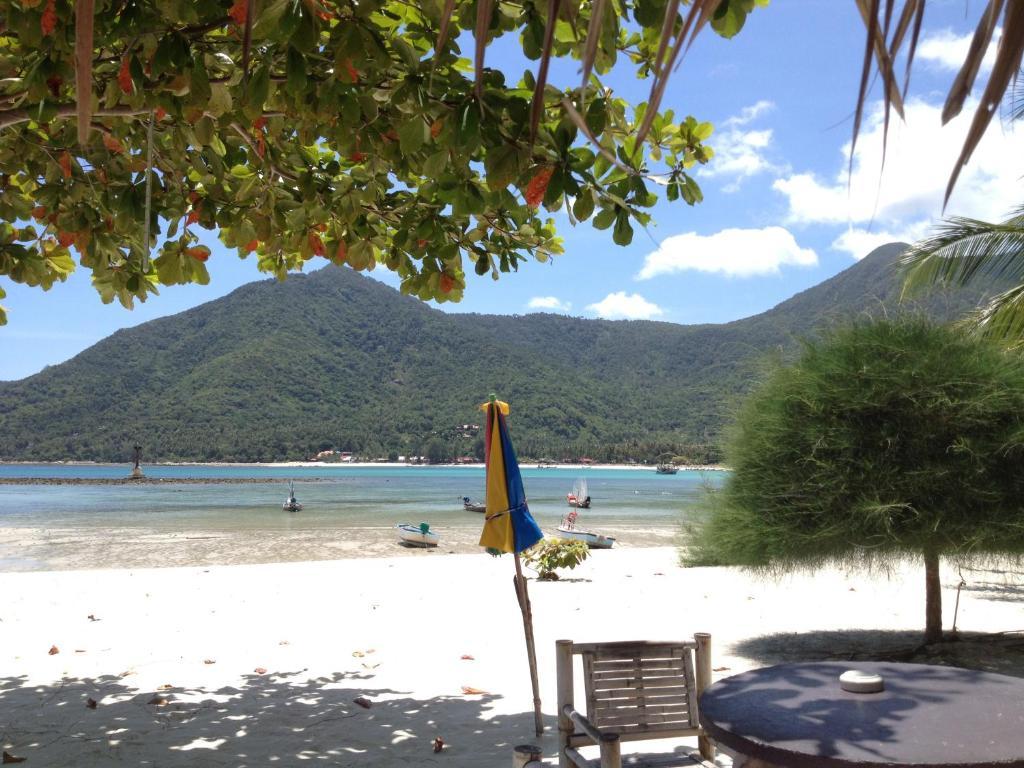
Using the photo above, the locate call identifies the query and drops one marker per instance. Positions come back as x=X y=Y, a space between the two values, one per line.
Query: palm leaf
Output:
x=446 y=20
x=964 y=250
x=964 y=81
x=537 y=107
x=870 y=16
x=597 y=13
x=1007 y=63
x=84 y=15
x=1002 y=317
x=699 y=14
x=484 y=11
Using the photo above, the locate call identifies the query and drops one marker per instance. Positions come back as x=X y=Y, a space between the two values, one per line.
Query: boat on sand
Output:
x=568 y=530
x=417 y=535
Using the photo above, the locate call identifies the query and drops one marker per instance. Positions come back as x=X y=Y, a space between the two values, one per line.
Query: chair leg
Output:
x=611 y=752
x=563 y=664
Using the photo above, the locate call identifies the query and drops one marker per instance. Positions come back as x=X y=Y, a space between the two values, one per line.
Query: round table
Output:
x=796 y=715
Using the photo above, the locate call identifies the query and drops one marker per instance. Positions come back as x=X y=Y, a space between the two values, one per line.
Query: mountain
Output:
x=334 y=359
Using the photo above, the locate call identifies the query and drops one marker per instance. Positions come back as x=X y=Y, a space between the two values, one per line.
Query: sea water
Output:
x=347 y=511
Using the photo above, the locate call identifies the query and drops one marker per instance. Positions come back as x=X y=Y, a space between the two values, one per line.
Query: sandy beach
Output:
x=248 y=664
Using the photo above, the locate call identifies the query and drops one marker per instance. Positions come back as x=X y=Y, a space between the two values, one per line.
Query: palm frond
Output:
x=1006 y=66
x=484 y=12
x=964 y=81
x=1002 y=317
x=963 y=250
x=537 y=107
x=446 y=20
x=597 y=14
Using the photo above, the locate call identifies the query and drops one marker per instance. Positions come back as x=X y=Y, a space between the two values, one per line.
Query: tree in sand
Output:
x=883 y=441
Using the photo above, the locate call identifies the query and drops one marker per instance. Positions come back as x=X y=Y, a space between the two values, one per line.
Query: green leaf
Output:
x=502 y=165
x=623 y=232
x=583 y=207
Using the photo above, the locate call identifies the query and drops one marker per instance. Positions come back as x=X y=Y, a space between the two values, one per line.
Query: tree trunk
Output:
x=933 y=597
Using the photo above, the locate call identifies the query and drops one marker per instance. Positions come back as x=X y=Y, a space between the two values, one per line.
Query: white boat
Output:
x=417 y=535
x=666 y=469
x=568 y=530
x=291 y=504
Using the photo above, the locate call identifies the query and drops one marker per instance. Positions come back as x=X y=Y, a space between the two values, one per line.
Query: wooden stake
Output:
x=524 y=604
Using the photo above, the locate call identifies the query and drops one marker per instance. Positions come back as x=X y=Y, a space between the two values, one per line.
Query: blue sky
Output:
x=779 y=215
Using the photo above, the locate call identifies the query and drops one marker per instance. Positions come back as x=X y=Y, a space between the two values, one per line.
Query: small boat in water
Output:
x=666 y=469
x=579 y=496
x=568 y=530
x=472 y=506
x=291 y=504
x=417 y=535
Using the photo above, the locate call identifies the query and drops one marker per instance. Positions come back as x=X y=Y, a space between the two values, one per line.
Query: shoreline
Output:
x=358 y=465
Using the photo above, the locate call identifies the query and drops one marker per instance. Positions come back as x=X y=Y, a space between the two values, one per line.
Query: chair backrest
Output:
x=641 y=687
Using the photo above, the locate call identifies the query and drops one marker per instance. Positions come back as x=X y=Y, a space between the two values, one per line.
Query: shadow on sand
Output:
x=1003 y=653
x=283 y=718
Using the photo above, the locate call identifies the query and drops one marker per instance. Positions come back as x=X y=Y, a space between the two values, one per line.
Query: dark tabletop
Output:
x=796 y=715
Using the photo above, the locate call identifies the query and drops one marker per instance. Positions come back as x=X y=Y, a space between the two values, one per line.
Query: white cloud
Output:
x=947 y=50
x=623 y=306
x=748 y=114
x=741 y=153
x=859 y=242
x=907 y=197
x=549 y=302
x=732 y=252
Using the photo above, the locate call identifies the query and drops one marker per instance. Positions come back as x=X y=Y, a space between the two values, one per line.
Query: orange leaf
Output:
x=112 y=143
x=538 y=187
x=238 y=12
x=316 y=245
x=161 y=113
x=48 y=21
x=201 y=253
x=435 y=127
x=124 y=76
x=341 y=254
x=65 y=238
x=446 y=283
x=259 y=123
x=352 y=72
x=193 y=217
x=54 y=650
x=65 y=163
x=252 y=245
x=260 y=670
x=472 y=691
x=39 y=212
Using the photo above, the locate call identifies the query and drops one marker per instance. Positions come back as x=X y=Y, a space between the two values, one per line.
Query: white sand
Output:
x=412 y=618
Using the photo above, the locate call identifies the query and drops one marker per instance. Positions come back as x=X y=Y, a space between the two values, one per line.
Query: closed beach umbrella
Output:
x=508 y=524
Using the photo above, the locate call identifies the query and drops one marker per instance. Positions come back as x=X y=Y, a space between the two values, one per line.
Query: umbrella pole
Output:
x=524 y=605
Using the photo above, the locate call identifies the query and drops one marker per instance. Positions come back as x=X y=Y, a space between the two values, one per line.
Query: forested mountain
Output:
x=334 y=359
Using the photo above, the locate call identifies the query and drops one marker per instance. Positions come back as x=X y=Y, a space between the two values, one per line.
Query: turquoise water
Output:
x=348 y=511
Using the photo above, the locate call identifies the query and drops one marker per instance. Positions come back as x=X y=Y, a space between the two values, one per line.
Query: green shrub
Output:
x=550 y=554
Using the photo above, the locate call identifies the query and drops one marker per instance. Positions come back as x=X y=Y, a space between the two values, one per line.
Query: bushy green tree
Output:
x=884 y=440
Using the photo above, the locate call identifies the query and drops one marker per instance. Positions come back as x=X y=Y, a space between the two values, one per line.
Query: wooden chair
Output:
x=635 y=690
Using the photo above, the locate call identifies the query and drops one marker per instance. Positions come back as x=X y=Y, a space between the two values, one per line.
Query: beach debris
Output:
x=284 y=642
x=127 y=672
x=720 y=669
x=164 y=687
x=260 y=670
x=363 y=702
x=438 y=744
x=209 y=661
x=358 y=654
x=467 y=657
x=90 y=703
x=370 y=666
x=92 y=617
x=470 y=691
x=9 y=758
x=79 y=650
x=658 y=573
x=54 y=650
x=158 y=701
